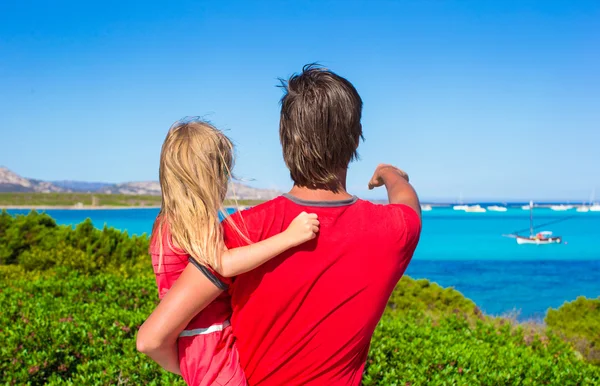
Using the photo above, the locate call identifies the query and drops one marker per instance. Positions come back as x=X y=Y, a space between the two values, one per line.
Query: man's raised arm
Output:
x=400 y=191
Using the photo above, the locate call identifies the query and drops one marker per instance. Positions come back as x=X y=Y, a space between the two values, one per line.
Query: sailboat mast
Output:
x=531 y=218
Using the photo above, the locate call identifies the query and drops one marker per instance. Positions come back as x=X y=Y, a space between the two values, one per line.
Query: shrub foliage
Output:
x=579 y=323
x=72 y=299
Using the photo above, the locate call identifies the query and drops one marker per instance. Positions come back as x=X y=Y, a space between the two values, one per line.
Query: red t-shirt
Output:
x=306 y=317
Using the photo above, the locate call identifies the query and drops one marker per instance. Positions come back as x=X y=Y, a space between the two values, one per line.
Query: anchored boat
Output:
x=594 y=206
x=561 y=207
x=539 y=238
x=474 y=209
x=460 y=207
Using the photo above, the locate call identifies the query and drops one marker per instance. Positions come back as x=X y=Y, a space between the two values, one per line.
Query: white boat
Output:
x=460 y=207
x=540 y=238
x=561 y=208
x=590 y=206
x=475 y=209
x=594 y=206
x=525 y=207
x=426 y=208
x=497 y=208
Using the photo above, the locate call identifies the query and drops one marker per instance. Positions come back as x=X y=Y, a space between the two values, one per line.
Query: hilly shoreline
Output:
x=17 y=192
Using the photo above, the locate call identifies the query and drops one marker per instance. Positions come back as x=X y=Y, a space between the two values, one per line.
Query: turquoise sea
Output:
x=467 y=251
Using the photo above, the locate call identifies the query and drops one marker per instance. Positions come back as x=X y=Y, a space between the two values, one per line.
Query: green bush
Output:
x=423 y=296
x=21 y=233
x=579 y=323
x=61 y=326
x=72 y=299
x=431 y=335
x=452 y=351
x=36 y=242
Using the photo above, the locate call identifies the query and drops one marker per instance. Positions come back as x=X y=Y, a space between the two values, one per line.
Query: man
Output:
x=307 y=316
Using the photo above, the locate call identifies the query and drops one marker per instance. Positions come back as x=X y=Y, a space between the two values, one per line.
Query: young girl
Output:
x=195 y=164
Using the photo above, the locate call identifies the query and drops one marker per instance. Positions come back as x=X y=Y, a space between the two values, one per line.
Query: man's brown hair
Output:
x=319 y=127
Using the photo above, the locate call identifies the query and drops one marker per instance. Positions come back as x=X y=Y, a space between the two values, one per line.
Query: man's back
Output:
x=307 y=316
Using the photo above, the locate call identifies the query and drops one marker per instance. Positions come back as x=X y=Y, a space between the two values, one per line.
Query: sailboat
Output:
x=583 y=209
x=460 y=205
x=594 y=206
x=539 y=238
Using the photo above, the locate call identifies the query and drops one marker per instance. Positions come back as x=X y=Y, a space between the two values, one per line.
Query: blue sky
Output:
x=491 y=99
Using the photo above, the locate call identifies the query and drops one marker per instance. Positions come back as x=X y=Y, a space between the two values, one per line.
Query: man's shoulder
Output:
x=250 y=222
x=257 y=211
x=386 y=209
x=399 y=220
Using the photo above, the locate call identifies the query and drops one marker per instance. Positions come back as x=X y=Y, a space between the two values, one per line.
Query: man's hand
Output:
x=396 y=182
x=377 y=179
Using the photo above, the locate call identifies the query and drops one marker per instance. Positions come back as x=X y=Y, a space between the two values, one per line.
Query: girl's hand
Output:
x=303 y=228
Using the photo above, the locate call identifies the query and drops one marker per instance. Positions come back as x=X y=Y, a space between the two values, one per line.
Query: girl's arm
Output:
x=157 y=337
x=193 y=291
x=240 y=260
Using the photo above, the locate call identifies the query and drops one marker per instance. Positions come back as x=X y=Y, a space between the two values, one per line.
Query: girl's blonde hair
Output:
x=195 y=167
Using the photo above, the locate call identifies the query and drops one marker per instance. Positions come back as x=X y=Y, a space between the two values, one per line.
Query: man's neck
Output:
x=308 y=194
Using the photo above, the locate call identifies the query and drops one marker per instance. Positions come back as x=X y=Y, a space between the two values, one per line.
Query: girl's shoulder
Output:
x=162 y=243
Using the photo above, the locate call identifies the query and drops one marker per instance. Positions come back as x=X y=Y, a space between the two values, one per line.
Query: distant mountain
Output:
x=236 y=190
x=12 y=182
x=146 y=188
x=245 y=192
x=79 y=186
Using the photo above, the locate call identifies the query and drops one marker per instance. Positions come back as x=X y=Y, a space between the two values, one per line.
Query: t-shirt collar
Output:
x=323 y=204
